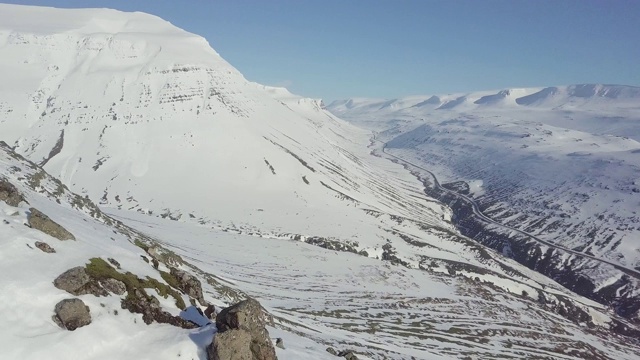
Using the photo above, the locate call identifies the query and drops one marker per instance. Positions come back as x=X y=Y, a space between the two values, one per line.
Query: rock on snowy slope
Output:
x=71 y=314
x=42 y=222
x=242 y=333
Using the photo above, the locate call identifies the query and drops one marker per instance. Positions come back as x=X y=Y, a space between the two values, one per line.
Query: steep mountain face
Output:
x=262 y=193
x=125 y=114
x=553 y=171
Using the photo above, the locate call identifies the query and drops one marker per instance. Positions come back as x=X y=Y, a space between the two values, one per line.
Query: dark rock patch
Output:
x=137 y=301
x=348 y=354
x=114 y=263
x=210 y=312
x=114 y=286
x=9 y=193
x=45 y=247
x=42 y=222
x=71 y=314
x=189 y=284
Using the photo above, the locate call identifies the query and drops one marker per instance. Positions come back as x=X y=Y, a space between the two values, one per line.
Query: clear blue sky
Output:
x=335 y=49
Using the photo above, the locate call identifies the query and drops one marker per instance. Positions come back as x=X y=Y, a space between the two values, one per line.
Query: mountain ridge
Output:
x=527 y=97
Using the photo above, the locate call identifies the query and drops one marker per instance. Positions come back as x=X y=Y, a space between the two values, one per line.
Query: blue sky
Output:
x=335 y=49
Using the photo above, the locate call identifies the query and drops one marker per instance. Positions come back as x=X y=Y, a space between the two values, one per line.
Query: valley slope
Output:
x=560 y=164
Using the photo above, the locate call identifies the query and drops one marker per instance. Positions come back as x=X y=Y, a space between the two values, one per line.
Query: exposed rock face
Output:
x=76 y=281
x=9 y=194
x=114 y=286
x=149 y=307
x=45 y=247
x=231 y=345
x=189 y=284
x=41 y=222
x=242 y=333
x=71 y=314
x=348 y=354
x=210 y=312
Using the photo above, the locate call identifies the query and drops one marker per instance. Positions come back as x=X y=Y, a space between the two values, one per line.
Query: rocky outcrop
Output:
x=348 y=354
x=113 y=286
x=139 y=302
x=210 y=312
x=189 y=284
x=45 y=247
x=76 y=281
x=40 y=221
x=71 y=314
x=242 y=334
x=9 y=194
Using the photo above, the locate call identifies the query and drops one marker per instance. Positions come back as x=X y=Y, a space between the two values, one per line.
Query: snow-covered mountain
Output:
x=262 y=193
x=559 y=164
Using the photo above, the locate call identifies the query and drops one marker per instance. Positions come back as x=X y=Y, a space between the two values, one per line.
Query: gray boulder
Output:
x=71 y=314
x=231 y=345
x=114 y=286
x=76 y=281
x=9 y=194
x=242 y=327
x=45 y=247
x=40 y=221
x=189 y=284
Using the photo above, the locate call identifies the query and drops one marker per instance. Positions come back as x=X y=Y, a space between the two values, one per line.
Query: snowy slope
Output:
x=318 y=297
x=559 y=163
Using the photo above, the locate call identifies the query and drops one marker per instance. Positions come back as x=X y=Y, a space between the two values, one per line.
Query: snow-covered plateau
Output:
x=162 y=163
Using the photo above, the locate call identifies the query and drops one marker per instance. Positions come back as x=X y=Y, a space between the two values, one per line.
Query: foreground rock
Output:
x=9 y=194
x=45 y=247
x=242 y=334
x=71 y=314
x=40 y=221
x=76 y=281
x=189 y=284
